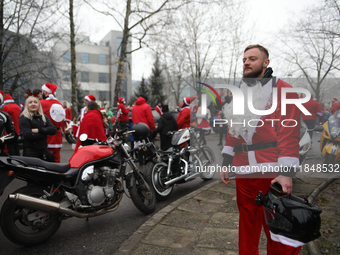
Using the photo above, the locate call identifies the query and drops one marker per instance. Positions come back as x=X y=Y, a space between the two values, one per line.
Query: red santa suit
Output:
x=159 y=110
x=335 y=107
x=68 y=114
x=184 y=118
x=254 y=168
x=141 y=112
x=92 y=125
x=124 y=116
x=313 y=107
x=54 y=110
x=12 y=109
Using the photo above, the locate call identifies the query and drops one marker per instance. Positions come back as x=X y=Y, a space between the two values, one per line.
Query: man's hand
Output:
x=225 y=175
x=286 y=183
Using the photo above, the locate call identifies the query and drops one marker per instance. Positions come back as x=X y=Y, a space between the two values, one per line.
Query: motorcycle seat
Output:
x=56 y=167
x=168 y=151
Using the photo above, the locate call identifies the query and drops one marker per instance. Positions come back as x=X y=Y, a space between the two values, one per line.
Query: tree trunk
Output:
x=73 y=63
x=122 y=57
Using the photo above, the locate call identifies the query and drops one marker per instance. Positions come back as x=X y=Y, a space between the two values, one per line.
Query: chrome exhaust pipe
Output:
x=54 y=207
x=172 y=181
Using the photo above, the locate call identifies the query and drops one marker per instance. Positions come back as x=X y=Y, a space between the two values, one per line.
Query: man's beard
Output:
x=43 y=95
x=253 y=74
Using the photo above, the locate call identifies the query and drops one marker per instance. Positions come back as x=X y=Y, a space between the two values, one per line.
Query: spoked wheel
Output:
x=157 y=174
x=208 y=162
x=142 y=195
x=26 y=226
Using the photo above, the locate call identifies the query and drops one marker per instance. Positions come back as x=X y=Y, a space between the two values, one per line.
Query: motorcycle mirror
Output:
x=83 y=137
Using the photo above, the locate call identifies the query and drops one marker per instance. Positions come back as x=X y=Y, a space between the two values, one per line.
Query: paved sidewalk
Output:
x=202 y=222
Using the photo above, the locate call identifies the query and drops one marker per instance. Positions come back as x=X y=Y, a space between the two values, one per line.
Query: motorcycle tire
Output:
x=142 y=195
x=208 y=162
x=70 y=138
x=155 y=173
x=17 y=227
x=329 y=159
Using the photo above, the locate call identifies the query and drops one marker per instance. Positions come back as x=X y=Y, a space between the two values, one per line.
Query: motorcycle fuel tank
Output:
x=89 y=153
x=181 y=136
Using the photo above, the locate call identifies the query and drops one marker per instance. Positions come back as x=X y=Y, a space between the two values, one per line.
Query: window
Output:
x=118 y=42
x=102 y=78
x=85 y=77
x=103 y=95
x=67 y=75
x=84 y=58
x=102 y=59
x=66 y=56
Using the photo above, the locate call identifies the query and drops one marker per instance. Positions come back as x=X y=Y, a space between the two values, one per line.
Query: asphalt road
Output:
x=102 y=234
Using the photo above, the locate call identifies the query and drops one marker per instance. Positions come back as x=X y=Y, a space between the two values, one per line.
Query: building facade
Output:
x=96 y=68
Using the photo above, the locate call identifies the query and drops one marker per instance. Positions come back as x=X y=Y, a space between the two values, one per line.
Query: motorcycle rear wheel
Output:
x=208 y=162
x=17 y=226
x=156 y=174
x=142 y=195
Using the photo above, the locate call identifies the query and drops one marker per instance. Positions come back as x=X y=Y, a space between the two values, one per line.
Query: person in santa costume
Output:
x=158 y=109
x=335 y=105
x=14 y=111
x=251 y=150
x=87 y=99
x=123 y=112
x=92 y=124
x=54 y=110
x=185 y=116
x=314 y=108
x=141 y=112
x=7 y=127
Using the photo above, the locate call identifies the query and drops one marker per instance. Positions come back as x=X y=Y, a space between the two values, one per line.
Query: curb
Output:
x=313 y=249
x=135 y=238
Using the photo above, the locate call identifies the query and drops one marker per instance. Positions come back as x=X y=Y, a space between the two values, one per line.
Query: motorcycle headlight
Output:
x=335 y=132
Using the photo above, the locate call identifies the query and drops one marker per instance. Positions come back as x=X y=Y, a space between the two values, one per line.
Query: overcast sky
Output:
x=270 y=16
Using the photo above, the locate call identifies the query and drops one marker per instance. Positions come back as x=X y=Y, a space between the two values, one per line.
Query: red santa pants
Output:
x=252 y=217
x=56 y=153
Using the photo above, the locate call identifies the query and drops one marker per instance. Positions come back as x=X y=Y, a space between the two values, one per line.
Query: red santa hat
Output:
x=1 y=96
x=334 y=99
x=189 y=100
x=49 y=88
x=22 y=105
x=8 y=99
x=102 y=110
x=121 y=99
x=90 y=98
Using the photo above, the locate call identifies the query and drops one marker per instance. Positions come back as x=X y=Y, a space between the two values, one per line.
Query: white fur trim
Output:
x=46 y=89
x=228 y=150
x=1 y=98
x=9 y=101
x=285 y=240
x=185 y=101
x=87 y=98
x=289 y=161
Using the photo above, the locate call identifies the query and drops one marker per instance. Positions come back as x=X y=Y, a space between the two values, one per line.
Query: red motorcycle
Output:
x=91 y=184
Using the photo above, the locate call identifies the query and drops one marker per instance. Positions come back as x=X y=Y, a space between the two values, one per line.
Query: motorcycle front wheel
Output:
x=142 y=195
x=157 y=173
x=208 y=162
x=25 y=226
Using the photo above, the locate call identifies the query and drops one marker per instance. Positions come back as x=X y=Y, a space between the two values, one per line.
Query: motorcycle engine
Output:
x=100 y=184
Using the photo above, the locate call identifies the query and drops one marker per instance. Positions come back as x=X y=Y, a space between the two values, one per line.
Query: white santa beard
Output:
x=260 y=97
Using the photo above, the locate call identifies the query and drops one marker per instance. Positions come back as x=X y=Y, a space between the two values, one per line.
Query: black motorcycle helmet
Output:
x=290 y=216
x=141 y=131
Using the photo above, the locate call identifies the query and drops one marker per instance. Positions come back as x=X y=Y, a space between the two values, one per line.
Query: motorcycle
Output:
x=91 y=184
x=330 y=139
x=185 y=161
x=305 y=142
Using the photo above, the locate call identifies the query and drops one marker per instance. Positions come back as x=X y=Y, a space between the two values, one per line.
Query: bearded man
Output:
x=257 y=145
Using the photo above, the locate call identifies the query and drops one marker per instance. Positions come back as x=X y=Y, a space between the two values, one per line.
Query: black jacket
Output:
x=6 y=124
x=165 y=124
x=36 y=141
